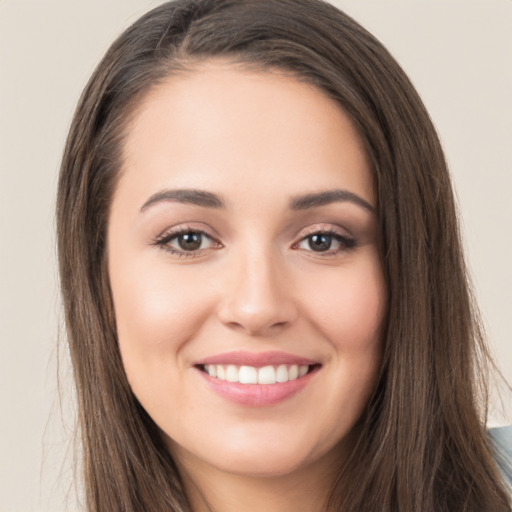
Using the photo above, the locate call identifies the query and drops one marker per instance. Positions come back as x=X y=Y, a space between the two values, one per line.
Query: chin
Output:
x=261 y=455
x=263 y=465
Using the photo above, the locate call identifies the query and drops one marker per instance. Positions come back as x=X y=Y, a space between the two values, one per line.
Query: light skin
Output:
x=244 y=220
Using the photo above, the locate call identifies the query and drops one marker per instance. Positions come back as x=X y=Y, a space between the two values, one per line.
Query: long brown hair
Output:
x=423 y=444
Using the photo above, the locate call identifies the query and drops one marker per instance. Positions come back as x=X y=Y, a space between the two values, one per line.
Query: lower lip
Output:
x=257 y=395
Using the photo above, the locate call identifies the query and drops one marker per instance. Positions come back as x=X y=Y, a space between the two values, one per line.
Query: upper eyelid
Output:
x=182 y=229
x=322 y=228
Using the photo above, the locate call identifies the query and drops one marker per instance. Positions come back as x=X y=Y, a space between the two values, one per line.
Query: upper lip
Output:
x=256 y=359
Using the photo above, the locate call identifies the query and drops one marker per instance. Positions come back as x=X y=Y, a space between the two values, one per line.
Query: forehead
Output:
x=222 y=127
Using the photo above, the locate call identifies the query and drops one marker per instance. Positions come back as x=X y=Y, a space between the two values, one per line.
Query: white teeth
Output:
x=293 y=372
x=232 y=373
x=267 y=375
x=251 y=375
x=282 y=373
x=248 y=375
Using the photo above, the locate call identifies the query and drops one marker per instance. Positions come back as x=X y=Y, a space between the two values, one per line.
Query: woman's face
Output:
x=242 y=246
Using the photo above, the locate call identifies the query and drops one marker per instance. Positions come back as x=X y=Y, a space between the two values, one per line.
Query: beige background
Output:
x=458 y=54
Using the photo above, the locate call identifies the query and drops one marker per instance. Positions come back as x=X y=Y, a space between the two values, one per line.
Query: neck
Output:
x=211 y=490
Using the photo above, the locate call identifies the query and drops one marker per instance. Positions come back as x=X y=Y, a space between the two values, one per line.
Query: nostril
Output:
x=256 y=326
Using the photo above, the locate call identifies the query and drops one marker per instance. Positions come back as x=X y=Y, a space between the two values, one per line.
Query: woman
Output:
x=265 y=293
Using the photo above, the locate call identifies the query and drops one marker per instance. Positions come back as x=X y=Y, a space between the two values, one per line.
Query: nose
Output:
x=257 y=296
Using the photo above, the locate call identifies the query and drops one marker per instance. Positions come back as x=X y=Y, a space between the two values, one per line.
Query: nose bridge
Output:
x=255 y=298
x=259 y=276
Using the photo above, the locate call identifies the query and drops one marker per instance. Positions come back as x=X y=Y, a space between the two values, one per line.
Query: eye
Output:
x=187 y=242
x=326 y=242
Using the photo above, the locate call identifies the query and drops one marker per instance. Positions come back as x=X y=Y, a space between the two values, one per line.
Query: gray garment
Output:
x=502 y=440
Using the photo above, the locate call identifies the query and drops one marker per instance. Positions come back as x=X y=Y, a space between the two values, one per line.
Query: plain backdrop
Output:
x=457 y=53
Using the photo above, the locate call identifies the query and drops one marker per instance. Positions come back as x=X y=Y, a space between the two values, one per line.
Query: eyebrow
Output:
x=327 y=197
x=302 y=202
x=187 y=196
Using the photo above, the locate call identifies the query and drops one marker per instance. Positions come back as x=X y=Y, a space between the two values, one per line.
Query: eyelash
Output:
x=346 y=243
x=163 y=241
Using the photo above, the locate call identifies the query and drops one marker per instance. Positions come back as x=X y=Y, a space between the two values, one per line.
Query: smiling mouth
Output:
x=270 y=374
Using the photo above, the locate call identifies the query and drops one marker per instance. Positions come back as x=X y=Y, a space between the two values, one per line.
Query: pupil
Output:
x=320 y=242
x=190 y=241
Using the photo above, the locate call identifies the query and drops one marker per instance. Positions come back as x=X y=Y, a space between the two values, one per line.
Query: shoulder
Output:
x=502 y=441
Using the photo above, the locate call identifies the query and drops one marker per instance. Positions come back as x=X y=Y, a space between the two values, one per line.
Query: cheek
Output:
x=350 y=307
x=147 y=301
x=349 y=310
x=157 y=312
